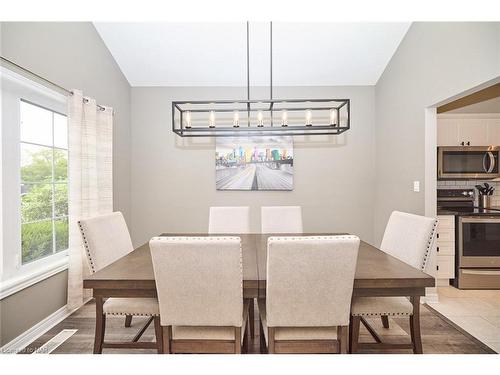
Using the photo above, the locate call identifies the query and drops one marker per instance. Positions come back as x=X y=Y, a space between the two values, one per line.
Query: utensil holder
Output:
x=485 y=201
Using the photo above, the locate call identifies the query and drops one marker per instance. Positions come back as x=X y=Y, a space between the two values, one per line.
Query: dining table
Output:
x=377 y=273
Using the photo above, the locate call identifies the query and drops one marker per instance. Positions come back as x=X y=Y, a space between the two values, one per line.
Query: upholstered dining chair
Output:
x=408 y=238
x=281 y=219
x=106 y=239
x=229 y=220
x=308 y=294
x=199 y=281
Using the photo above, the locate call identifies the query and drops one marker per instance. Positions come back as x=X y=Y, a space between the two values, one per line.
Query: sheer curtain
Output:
x=90 y=180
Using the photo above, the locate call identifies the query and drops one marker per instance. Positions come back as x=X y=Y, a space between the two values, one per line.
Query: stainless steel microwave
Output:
x=468 y=162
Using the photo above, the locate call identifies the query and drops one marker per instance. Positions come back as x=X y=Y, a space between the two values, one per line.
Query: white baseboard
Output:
x=27 y=337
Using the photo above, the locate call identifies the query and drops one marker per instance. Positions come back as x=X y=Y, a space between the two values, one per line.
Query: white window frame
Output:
x=16 y=276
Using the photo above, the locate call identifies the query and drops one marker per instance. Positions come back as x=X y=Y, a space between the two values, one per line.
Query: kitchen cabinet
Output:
x=468 y=130
x=493 y=126
x=445 y=248
x=447 y=132
x=472 y=132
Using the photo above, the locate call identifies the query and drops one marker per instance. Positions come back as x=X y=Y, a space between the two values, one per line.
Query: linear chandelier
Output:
x=232 y=118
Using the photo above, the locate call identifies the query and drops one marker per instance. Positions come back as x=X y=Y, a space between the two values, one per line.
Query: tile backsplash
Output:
x=470 y=184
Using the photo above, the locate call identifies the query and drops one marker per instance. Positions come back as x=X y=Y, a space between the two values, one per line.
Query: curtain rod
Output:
x=60 y=88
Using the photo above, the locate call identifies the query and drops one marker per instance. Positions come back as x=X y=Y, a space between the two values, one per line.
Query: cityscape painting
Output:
x=254 y=163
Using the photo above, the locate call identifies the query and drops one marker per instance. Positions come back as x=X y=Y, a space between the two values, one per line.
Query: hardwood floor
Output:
x=438 y=336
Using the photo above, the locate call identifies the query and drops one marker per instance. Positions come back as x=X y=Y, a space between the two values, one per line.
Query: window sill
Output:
x=18 y=283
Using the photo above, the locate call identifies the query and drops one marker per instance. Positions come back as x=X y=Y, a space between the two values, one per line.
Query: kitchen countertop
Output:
x=469 y=211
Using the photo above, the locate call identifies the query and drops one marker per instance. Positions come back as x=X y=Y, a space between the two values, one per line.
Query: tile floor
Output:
x=475 y=311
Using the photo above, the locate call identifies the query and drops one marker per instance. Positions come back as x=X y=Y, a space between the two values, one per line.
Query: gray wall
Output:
x=173 y=181
x=434 y=62
x=24 y=309
x=74 y=56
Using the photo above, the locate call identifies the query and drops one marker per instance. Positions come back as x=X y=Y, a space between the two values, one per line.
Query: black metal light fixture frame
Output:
x=334 y=114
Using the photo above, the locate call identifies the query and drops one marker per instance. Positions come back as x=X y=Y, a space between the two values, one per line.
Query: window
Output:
x=34 y=188
x=44 y=182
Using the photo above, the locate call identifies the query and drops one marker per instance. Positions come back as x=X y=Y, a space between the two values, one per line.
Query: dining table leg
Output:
x=100 y=325
x=251 y=318
x=416 y=337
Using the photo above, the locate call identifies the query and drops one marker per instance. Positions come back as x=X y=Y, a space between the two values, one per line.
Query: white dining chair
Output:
x=107 y=239
x=199 y=281
x=410 y=239
x=281 y=219
x=229 y=220
x=308 y=294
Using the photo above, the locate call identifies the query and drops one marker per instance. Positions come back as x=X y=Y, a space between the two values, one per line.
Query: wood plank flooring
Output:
x=438 y=335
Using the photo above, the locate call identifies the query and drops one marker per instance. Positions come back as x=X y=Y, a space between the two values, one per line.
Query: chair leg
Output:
x=251 y=318
x=416 y=338
x=385 y=321
x=262 y=344
x=158 y=334
x=354 y=334
x=237 y=340
x=342 y=339
x=128 y=320
x=166 y=335
x=100 y=325
x=270 y=339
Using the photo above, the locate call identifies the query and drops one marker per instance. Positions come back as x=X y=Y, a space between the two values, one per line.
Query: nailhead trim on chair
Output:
x=131 y=313
x=382 y=314
x=87 y=249
x=429 y=245
x=305 y=238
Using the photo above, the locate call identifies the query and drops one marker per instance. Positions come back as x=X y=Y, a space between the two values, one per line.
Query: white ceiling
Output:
x=214 y=54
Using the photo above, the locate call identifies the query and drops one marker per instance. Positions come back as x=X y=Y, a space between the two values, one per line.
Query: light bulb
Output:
x=284 y=118
x=259 y=119
x=211 y=119
x=188 y=119
x=308 y=117
x=236 y=119
x=333 y=117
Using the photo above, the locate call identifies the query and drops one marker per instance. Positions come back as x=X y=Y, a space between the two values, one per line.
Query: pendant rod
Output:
x=248 y=73
x=271 y=67
x=271 y=59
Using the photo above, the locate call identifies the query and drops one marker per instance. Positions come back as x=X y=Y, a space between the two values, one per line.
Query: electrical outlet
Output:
x=416 y=186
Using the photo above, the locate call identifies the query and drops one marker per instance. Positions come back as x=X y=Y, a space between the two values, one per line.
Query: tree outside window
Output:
x=44 y=182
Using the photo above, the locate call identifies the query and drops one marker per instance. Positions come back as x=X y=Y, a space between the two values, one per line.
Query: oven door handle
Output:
x=481 y=272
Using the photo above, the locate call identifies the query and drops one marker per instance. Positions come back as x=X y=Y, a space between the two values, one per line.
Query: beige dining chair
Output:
x=308 y=294
x=229 y=220
x=199 y=281
x=106 y=239
x=281 y=219
x=410 y=239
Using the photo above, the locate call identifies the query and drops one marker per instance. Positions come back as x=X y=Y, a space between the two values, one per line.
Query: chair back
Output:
x=310 y=280
x=229 y=220
x=106 y=238
x=409 y=238
x=199 y=280
x=281 y=219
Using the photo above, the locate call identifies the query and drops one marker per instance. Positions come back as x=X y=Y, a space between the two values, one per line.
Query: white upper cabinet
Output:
x=472 y=132
x=447 y=132
x=493 y=132
x=468 y=130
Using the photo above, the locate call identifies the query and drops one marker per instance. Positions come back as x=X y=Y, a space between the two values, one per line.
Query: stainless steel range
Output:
x=477 y=239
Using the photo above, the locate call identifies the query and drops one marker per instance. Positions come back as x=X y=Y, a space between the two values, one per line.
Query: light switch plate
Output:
x=416 y=186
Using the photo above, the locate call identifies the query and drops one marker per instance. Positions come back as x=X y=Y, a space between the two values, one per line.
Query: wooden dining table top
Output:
x=377 y=273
